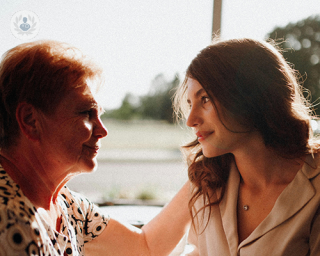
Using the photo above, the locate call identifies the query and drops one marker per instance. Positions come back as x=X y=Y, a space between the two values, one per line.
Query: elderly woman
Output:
x=50 y=131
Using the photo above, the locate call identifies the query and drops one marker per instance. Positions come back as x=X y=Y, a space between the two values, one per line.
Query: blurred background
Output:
x=144 y=47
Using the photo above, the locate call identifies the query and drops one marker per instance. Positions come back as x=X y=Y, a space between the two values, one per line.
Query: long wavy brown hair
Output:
x=251 y=81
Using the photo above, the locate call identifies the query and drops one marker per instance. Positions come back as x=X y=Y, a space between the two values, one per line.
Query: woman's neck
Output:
x=261 y=167
x=31 y=178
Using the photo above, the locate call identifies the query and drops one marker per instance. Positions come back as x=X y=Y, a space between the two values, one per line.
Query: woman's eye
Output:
x=87 y=112
x=205 y=99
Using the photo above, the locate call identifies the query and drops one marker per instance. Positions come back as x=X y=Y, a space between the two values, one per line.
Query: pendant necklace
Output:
x=245 y=207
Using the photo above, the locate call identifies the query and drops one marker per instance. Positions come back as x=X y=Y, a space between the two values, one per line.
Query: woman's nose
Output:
x=100 y=130
x=193 y=118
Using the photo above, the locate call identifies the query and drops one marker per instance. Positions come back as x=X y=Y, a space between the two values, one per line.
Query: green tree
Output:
x=157 y=103
x=302 y=49
x=127 y=110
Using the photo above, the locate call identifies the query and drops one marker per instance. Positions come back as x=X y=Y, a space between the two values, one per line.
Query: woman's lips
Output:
x=92 y=149
x=203 y=135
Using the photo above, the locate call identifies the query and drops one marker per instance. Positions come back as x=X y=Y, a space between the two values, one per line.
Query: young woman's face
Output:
x=71 y=136
x=204 y=118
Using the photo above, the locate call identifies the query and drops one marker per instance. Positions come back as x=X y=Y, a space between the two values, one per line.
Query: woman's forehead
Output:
x=90 y=97
x=194 y=89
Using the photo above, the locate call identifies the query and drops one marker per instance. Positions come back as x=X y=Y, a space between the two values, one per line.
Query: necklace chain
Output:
x=245 y=207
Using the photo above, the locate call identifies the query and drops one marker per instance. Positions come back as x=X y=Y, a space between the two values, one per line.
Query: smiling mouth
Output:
x=203 y=135
x=93 y=150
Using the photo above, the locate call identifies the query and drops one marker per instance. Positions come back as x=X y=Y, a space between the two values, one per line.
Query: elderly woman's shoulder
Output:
x=73 y=198
x=12 y=196
x=79 y=206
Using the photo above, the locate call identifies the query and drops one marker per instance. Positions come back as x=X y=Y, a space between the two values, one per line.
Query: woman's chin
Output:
x=213 y=153
x=89 y=166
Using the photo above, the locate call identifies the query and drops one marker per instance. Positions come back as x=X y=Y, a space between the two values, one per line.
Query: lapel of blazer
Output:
x=228 y=209
x=295 y=196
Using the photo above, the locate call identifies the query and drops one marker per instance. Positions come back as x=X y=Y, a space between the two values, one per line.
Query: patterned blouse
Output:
x=24 y=232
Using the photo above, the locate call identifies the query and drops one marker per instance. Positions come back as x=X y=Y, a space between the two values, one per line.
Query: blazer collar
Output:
x=297 y=194
x=228 y=209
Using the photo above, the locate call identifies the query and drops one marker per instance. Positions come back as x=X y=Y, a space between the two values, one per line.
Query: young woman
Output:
x=254 y=165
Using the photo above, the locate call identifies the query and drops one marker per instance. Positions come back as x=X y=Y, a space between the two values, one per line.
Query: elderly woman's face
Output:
x=71 y=136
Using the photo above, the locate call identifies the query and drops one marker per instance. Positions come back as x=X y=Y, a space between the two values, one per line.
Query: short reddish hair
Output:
x=40 y=73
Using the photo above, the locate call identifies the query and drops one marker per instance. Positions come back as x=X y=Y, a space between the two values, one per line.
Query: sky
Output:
x=135 y=40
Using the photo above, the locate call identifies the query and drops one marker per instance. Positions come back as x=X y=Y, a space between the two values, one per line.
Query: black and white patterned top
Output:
x=24 y=232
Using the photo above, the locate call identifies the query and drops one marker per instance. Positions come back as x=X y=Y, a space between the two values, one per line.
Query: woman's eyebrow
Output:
x=97 y=106
x=197 y=94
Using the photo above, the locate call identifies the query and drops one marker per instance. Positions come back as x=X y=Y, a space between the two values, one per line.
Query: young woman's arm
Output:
x=158 y=237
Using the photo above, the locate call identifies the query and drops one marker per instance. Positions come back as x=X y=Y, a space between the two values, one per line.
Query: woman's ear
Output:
x=27 y=118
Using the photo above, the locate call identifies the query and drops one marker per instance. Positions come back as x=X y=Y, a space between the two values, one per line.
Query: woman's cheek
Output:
x=88 y=125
